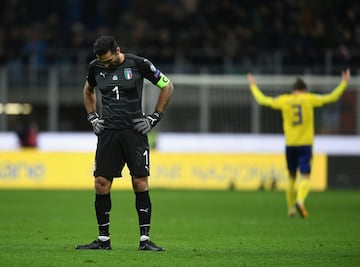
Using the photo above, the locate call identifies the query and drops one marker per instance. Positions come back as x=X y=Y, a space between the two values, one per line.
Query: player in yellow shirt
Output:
x=297 y=109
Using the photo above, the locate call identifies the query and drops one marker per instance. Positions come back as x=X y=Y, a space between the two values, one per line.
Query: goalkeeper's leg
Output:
x=102 y=209
x=143 y=208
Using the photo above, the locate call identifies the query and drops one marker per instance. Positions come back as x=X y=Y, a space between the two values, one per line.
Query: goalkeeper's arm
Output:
x=89 y=98
x=167 y=89
x=90 y=106
x=145 y=124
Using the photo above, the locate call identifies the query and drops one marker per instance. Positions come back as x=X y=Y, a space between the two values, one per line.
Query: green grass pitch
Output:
x=197 y=228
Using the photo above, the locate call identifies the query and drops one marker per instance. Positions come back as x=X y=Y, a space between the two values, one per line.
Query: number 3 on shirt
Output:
x=297 y=115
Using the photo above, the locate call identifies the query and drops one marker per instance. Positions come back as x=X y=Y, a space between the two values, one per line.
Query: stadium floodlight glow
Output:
x=15 y=108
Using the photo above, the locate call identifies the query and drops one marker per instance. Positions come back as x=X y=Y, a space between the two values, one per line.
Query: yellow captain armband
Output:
x=164 y=81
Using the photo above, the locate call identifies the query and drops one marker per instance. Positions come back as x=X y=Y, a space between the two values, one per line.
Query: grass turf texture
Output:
x=198 y=228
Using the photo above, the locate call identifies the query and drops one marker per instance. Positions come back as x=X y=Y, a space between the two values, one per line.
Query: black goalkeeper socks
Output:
x=102 y=208
x=143 y=208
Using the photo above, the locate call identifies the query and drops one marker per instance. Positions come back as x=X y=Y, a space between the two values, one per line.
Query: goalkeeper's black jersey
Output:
x=121 y=88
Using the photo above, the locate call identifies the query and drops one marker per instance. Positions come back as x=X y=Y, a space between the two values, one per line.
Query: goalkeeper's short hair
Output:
x=105 y=43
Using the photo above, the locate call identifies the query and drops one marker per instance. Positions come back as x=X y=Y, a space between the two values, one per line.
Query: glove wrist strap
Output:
x=158 y=114
x=92 y=115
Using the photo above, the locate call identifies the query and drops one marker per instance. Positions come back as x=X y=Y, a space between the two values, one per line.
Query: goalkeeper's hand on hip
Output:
x=96 y=122
x=145 y=124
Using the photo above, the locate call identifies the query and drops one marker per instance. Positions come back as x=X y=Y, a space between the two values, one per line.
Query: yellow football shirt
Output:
x=298 y=111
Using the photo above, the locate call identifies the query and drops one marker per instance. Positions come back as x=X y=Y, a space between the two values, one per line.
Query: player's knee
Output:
x=140 y=184
x=102 y=185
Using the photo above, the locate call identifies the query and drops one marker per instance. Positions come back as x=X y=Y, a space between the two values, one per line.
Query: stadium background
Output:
x=205 y=46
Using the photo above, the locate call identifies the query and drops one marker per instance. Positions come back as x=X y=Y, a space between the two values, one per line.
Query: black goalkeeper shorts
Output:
x=117 y=147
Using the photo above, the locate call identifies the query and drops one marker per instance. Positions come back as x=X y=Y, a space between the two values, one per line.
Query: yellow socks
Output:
x=303 y=190
x=290 y=194
x=303 y=187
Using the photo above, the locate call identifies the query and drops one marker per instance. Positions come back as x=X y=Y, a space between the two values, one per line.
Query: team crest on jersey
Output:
x=128 y=73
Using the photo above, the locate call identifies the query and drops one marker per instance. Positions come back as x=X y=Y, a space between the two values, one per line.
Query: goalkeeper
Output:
x=297 y=110
x=122 y=131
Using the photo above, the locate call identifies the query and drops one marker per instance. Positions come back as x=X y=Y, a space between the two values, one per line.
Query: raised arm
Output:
x=339 y=90
x=258 y=95
x=345 y=75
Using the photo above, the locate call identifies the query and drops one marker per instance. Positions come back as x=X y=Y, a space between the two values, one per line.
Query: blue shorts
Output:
x=299 y=157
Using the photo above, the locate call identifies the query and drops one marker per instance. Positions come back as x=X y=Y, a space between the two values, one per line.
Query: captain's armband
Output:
x=164 y=81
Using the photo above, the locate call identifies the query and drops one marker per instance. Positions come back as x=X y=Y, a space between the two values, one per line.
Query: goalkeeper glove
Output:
x=96 y=122
x=145 y=124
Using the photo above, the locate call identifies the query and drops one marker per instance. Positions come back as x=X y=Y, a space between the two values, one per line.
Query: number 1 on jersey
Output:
x=116 y=90
x=146 y=155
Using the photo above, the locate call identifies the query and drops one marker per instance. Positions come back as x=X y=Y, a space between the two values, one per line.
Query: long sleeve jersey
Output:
x=298 y=111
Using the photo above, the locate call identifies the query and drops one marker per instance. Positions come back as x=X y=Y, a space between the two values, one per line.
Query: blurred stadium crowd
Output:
x=183 y=32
